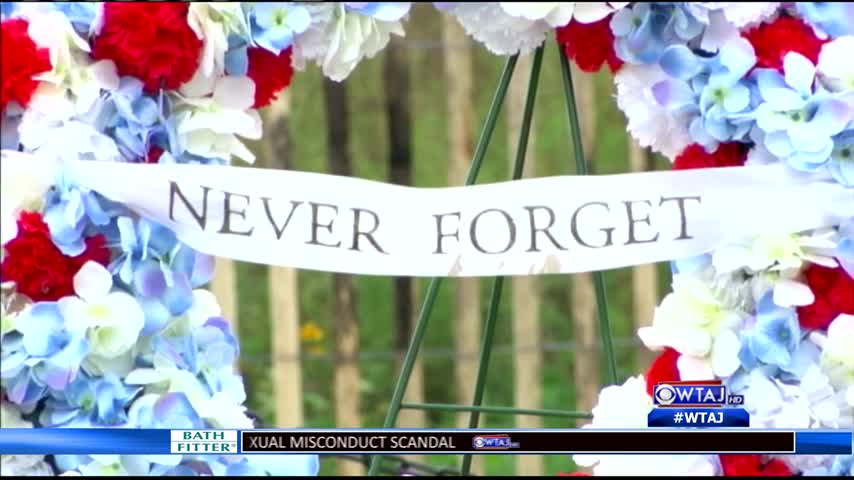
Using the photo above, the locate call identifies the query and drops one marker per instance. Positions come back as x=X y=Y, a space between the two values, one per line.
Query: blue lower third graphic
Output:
x=698 y=417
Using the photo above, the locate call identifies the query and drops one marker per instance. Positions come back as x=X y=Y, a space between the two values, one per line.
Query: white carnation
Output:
x=651 y=124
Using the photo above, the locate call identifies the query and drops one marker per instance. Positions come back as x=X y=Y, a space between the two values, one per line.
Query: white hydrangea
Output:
x=507 y=28
x=20 y=465
x=689 y=319
x=835 y=68
x=627 y=406
x=651 y=124
x=837 y=356
x=338 y=39
x=213 y=113
x=745 y=14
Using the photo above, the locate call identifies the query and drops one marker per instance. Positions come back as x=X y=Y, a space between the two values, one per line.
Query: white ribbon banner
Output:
x=563 y=224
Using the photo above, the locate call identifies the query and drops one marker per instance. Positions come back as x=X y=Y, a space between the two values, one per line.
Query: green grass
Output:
x=374 y=294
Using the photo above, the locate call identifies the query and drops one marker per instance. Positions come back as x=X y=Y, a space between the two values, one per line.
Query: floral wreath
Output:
x=104 y=320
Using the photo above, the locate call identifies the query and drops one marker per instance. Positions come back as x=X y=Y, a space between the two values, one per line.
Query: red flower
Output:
x=834 y=294
x=20 y=60
x=270 y=72
x=153 y=155
x=151 y=41
x=38 y=268
x=772 y=41
x=751 y=466
x=590 y=44
x=663 y=369
x=732 y=154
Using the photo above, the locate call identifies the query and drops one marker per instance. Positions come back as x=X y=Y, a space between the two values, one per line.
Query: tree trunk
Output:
x=284 y=291
x=644 y=277
x=345 y=325
x=583 y=298
x=399 y=118
x=527 y=361
x=466 y=317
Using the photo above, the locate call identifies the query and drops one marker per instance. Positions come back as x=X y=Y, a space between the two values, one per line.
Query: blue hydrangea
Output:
x=794 y=120
x=89 y=401
x=134 y=120
x=384 y=11
x=713 y=89
x=274 y=25
x=644 y=30
x=841 y=164
x=775 y=336
x=834 y=18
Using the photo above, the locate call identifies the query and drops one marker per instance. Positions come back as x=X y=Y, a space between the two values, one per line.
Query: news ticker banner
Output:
x=45 y=441
x=565 y=224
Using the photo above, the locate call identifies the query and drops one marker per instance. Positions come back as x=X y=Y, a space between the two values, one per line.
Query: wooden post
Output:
x=644 y=277
x=527 y=360
x=466 y=318
x=583 y=297
x=284 y=292
x=224 y=287
x=345 y=325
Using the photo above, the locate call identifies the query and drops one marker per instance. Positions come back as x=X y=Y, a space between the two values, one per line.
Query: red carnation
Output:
x=151 y=41
x=732 y=154
x=20 y=60
x=590 y=44
x=751 y=466
x=663 y=369
x=772 y=41
x=834 y=295
x=39 y=269
x=153 y=155
x=270 y=72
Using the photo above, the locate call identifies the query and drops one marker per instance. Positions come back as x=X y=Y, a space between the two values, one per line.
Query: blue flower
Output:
x=139 y=240
x=44 y=354
x=841 y=163
x=7 y=9
x=643 y=31
x=95 y=400
x=135 y=120
x=775 y=337
x=385 y=11
x=712 y=88
x=274 y=25
x=845 y=248
x=81 y=14
x=792 y=121
x=71 y=210
x=835 y=18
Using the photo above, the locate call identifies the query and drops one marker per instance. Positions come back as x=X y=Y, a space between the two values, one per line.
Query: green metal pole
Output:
x=495 y=298
x=435 y=283
x=581 y=167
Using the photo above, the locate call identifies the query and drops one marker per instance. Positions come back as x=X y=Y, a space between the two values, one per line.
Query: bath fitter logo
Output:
x=204 y=441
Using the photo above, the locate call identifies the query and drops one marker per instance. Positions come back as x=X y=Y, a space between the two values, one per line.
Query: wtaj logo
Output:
x=494 y=442
x=694 y=394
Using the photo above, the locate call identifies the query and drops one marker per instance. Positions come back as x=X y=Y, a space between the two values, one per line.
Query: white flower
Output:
x=651 y=124
x=112 y=320
x=24 y=182
x=115 y=465
x=205 y=306
x=213 y=22
x=19 y=465
x=776 y=252
x=222 y=409
x=213 y=115
x=338 y=39
x=627 y=406
x=837 y=356
x=745 y=14
x=722 y=362
x=72 y=71
x=834 y=66
x=558 y=14
x=689 y=319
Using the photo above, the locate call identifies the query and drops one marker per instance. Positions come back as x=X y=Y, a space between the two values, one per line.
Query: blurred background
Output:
x=322 y=350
